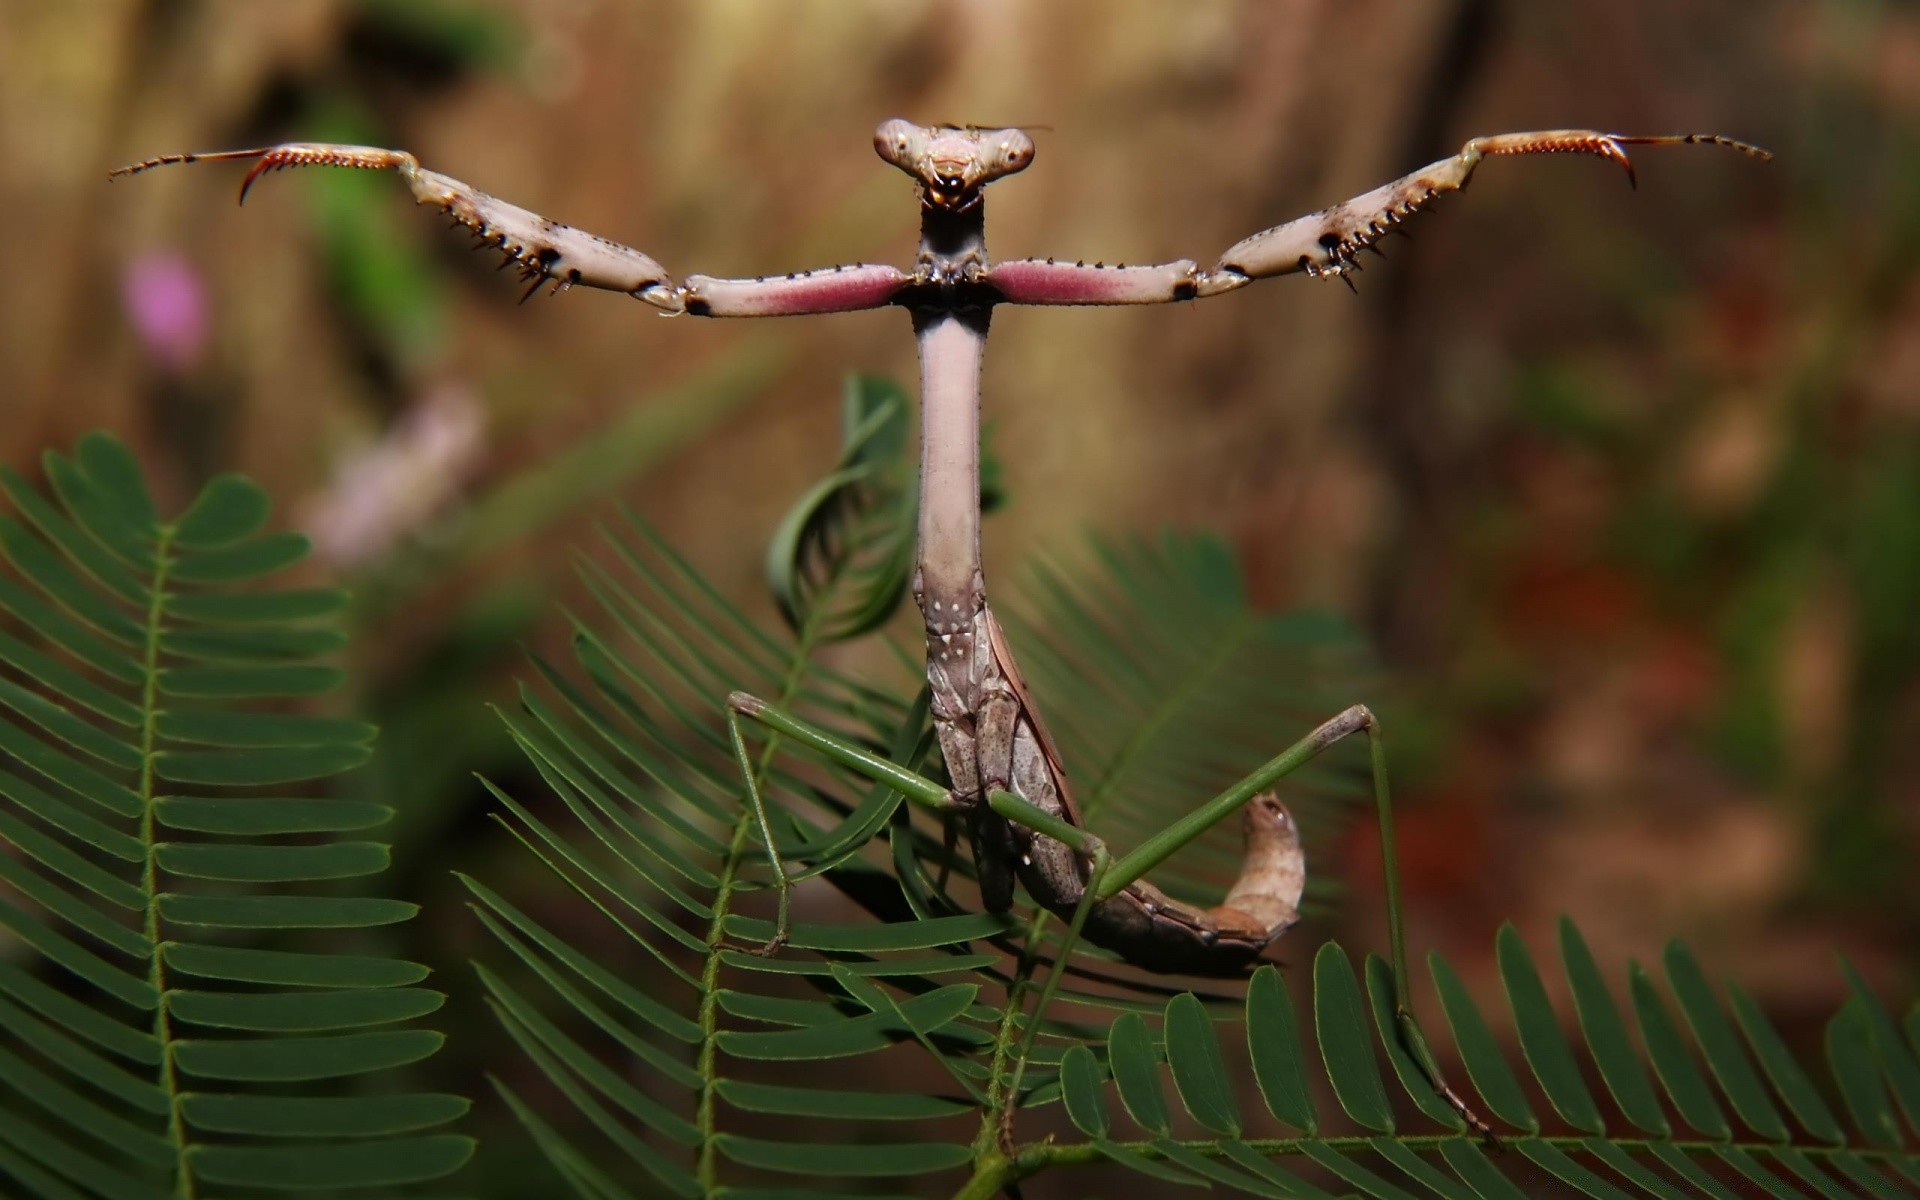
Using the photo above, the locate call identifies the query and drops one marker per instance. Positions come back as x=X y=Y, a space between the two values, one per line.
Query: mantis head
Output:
x=951 y=164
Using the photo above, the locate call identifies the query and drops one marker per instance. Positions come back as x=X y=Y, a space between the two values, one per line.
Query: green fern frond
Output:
x=175 y=1017
x=1753 y=1118
x=1163 y=684
x=657 y=840
x=862 y=500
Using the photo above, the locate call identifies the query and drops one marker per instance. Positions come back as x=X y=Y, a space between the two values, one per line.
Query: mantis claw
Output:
x=772 y=946
x=1415 y=1041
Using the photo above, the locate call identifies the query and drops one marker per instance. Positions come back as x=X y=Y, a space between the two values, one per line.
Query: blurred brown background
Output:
x=1624 y=486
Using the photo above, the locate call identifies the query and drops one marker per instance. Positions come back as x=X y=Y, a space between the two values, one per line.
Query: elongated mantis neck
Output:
x=951 y=347
x=952 y=331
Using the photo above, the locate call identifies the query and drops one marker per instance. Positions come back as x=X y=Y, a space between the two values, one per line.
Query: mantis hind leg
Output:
x=1107 y=878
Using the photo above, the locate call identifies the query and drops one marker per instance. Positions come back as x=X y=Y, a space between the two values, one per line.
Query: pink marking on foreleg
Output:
x=1044 y=281
x=829 y=289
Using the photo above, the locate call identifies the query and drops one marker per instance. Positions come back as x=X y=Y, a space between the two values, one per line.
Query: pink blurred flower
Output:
x=393 y=489
x=167 y=305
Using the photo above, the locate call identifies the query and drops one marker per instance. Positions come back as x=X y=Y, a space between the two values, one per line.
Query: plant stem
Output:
x=183 y=1186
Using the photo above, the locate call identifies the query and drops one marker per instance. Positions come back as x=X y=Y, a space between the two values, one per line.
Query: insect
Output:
x=1006 y=780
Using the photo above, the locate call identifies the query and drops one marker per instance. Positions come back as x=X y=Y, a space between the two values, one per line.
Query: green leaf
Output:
x=81 y=780
x=1632 y=1170
x=136 y=1091
x=1340 y=1020
x=285 y=912
x=813 y=1158
x=873 y=939
x=850 y=532
x=257 y=768
x=321 y=1116
x=1399 y=1040
x=72 y=909
x=303 y=1012
x=389 y=1162
x=1081 y=1088
x=226 y=728
x=85 y=828
x=1419 y=1169
x=246 y=682
x=255 y=608
x=251 y=559
x=1607 y=1039
x=1288 y=1183
x=66 y=727
x=531 y=1028
x=255 y=816
x=51 y=623
x=247 y=644
x=786 y=553
x=60 y=583
x=1202 y=1167
x=658 y=844
x=109 y=977
x=1714 y=1032
x=1199 y=1073
x=290 y=968
x=1850 y=1057
x=283 y=1060
x=1787 y=1076
x=1569 y=1172
x=94 y=510
x=62 y=680
x=1491 y=1075
x=635 y=1001
x=112 y=470
x=828 y=1102
x=1273 y=1045
x=1540 y=1037
x=1471 y=1164
x=229 y=509
x=81 y=1112
x=1896 y=1058
x=272 y=864
x=854 y=1035
x=1871 y=1181
x=1822 y=1183
x=1767 y=1181
x=664 y=1170
x=1135 y=1064
x=84 y=1167
x=1349 y=1171
x=134 y=1045
x=1685 y=1085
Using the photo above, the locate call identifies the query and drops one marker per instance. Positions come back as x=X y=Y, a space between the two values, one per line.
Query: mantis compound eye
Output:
x=1016 y=151
x=894 y=141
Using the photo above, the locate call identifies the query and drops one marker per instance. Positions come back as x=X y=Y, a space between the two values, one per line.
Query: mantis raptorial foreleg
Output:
x=548 y=252
x=1322 y=245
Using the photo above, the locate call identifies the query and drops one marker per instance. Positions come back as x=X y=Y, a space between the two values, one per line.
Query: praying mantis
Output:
x=1006 y=781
